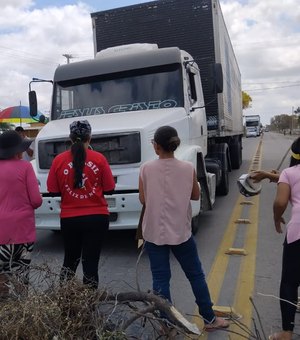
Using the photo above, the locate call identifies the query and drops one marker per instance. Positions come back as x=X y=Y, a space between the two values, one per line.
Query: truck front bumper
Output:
x=124 y=212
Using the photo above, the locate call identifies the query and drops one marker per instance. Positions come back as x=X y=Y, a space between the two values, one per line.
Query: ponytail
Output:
x=78 y=159
x=80 y=133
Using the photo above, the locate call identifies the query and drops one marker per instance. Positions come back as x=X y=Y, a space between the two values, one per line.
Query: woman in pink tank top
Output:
x=288 y=191
x=166 y=186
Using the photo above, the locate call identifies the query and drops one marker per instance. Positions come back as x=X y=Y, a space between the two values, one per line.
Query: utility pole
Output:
x=292 y=119
x=68 y=56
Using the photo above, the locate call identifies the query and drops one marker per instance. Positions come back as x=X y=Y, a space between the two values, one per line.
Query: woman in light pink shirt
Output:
x=19 y=196
x=288 y=190
x=166 y=186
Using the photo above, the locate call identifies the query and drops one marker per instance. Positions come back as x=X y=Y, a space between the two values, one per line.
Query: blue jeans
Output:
x=187 y=255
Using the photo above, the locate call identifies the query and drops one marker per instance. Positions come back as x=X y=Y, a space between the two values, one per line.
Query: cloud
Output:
x=266 y=40
x=265 y=36
x=32 y=44
x=4 y=4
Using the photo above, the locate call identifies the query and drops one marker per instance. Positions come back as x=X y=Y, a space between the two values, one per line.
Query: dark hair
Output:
x=167 y=138
x=295 y=148
x=80 y=134
x=11 y=143
x=19 y=129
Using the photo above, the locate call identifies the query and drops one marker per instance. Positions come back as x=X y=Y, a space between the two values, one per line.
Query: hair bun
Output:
x=80 y=128
x=296 y=146
x=167 y=138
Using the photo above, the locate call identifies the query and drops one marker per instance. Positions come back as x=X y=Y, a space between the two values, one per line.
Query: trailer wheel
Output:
x=223 y=187
x=236 y=154
x=221 y=152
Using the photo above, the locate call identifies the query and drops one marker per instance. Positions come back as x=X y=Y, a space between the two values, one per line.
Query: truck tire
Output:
x=221 y=152
x=236 y=154
x=223 y=187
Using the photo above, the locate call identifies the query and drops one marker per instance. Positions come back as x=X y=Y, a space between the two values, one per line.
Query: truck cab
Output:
x=126 y=93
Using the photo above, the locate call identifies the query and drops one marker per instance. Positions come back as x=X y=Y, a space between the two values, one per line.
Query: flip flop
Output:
x=218 y=324
x=279 y=336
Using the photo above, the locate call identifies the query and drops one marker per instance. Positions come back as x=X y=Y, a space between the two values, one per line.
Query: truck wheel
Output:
x=221 y=153
x=223 y=187
x=236 y=154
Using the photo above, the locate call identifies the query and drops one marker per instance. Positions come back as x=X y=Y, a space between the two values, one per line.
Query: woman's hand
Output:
x=278 y=226
x=258 y=175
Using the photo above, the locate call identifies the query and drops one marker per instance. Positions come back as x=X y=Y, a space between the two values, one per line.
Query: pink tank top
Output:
x=167 y=187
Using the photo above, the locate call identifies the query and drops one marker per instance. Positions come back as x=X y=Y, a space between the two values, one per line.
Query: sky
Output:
x=35 y=36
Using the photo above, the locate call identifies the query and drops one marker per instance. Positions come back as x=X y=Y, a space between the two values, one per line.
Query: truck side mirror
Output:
x=32 y=103
x=215 y=81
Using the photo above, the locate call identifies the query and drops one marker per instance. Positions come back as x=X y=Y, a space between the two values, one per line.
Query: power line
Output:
x=25 y=55
x=270 y=88
x=32 y=58
x=274 y=82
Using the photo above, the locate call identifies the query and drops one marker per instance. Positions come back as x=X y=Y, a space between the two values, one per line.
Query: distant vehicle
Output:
x=253 y=121
x=251 y=132
x=266 y=129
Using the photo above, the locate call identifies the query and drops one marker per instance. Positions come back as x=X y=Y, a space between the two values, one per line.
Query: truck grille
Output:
x=117 y=148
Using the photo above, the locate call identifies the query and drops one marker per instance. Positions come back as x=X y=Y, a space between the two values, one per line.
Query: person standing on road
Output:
x=166 y=186
x=19 y=196
x=28 y=154
x=288 y=190
x=82 y=176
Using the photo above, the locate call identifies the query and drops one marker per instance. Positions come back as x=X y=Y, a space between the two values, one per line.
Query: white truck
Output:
x=253 y=125
x=127 y=91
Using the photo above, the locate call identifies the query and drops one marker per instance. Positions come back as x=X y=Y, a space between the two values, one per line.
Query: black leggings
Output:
x=83 y=237
x=290 y=280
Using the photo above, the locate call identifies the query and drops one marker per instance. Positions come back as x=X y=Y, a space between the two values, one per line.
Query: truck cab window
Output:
x=192 y=84
x=135 y=90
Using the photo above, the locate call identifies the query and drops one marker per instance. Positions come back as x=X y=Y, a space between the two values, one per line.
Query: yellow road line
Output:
x=246 y=278
x=217 y=273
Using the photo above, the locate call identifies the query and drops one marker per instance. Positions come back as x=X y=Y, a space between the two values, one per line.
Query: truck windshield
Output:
x=252 y=123
x=142 y=89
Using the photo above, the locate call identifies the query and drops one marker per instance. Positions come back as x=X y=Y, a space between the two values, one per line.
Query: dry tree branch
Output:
x=258 y=316
x=139 y=314
x=160 y=304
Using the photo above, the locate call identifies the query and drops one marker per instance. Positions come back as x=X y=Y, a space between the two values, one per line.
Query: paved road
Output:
x=232 y=278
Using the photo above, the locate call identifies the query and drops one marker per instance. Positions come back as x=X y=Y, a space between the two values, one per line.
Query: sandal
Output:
x=283 y=335
x=219 y=323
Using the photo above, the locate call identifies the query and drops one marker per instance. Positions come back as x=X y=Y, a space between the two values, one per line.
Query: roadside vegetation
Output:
x=44 y=309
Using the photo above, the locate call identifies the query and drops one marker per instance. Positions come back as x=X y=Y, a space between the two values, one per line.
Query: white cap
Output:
x=247 y=186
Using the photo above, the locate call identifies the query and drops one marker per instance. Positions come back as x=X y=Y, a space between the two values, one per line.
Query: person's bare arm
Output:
x=29 y=152
x=260 y=175
x=141 y=191
x=280 y=203
x=196 y=189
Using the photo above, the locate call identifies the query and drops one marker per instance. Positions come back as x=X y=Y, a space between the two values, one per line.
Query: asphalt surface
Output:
x=118 y=269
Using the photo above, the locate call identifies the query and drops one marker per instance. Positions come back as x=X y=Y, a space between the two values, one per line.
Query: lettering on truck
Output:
x=92 y=111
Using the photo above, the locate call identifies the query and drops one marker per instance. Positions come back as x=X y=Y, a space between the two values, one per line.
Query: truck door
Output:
x=197 y=121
